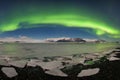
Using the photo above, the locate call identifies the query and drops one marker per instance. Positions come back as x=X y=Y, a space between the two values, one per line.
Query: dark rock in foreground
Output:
x=93 y=67
x=108 y=70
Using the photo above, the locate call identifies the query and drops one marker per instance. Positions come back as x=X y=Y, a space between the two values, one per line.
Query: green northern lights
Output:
x=69 y=17
x=66 y=20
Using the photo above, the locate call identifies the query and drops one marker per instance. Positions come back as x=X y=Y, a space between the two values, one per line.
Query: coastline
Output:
x=72 y=67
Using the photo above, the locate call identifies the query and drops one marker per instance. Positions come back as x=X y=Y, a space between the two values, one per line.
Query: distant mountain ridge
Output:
x=74 y=40
x=25 y=39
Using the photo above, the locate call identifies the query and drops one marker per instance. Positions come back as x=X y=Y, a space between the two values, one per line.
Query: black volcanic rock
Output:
x=78 y=40
x=63 y=40
x=72 y=70
x=71 y=40
x=103 y=69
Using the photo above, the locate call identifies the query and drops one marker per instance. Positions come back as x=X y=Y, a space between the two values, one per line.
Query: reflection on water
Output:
x=52 y=49
x=103 y=47
x=10 y=49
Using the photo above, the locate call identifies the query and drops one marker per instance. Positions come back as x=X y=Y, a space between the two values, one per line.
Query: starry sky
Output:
x=60 y=18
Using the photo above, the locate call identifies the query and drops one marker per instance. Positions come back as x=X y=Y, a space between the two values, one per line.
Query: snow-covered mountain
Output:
x=25 y=39
x=66 y=39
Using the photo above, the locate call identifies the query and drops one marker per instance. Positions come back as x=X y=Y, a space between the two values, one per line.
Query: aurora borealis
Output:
x=70 y=14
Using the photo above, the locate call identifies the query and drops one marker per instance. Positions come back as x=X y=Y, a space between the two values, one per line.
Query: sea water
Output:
x=52 y=49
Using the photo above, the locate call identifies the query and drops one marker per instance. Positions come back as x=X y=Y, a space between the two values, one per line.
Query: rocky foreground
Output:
x=87 y=66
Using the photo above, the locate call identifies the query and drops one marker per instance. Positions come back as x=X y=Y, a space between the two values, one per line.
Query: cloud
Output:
x=24 y=39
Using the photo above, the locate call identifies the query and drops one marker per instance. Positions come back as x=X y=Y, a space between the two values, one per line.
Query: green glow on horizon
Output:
x=67 y=14
x=68 y=20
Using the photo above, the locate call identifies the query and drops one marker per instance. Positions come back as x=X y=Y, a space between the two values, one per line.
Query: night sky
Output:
x=60 y=18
